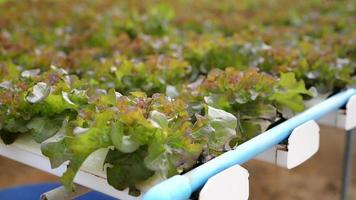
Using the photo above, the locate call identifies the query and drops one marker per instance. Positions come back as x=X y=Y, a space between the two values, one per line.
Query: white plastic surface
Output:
x=303 y=143
x=340 y=118
x=91 y=174
x=350 y=121
x=230 y=184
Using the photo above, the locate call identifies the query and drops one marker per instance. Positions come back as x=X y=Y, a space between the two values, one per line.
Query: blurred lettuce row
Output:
x=322 y=66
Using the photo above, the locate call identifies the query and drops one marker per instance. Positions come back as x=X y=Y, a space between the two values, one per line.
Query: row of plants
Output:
x=163 y=87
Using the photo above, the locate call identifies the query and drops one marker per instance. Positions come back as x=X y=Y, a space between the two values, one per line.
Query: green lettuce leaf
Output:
x=76 y=148
x=289 y=92
x=122 y=142
x=43 y=128
x=126 y=170
x=220 y=127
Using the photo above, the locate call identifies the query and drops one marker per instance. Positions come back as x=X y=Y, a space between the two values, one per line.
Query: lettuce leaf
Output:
x=289 y=92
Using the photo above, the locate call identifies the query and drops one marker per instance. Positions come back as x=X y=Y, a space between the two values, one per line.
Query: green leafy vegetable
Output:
x=289 y=91
x=163 y=87
x=127 y=170
x=43 y=128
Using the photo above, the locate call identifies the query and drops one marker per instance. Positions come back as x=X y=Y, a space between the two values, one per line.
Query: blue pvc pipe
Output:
x=180 y=187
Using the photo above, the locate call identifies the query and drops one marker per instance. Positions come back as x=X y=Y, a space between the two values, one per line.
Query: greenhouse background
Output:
x=177 y=99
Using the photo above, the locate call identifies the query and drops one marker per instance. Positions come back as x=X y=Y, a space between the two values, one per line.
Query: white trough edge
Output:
x=230 y=184
x=350 y=121
x=90 y=175
x=303 y=143
x=342 y=119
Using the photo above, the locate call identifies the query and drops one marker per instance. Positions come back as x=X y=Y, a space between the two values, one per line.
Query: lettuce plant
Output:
x=161 y=87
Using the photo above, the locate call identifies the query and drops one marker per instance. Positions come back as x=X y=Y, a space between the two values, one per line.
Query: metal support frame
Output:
x=347 y=166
